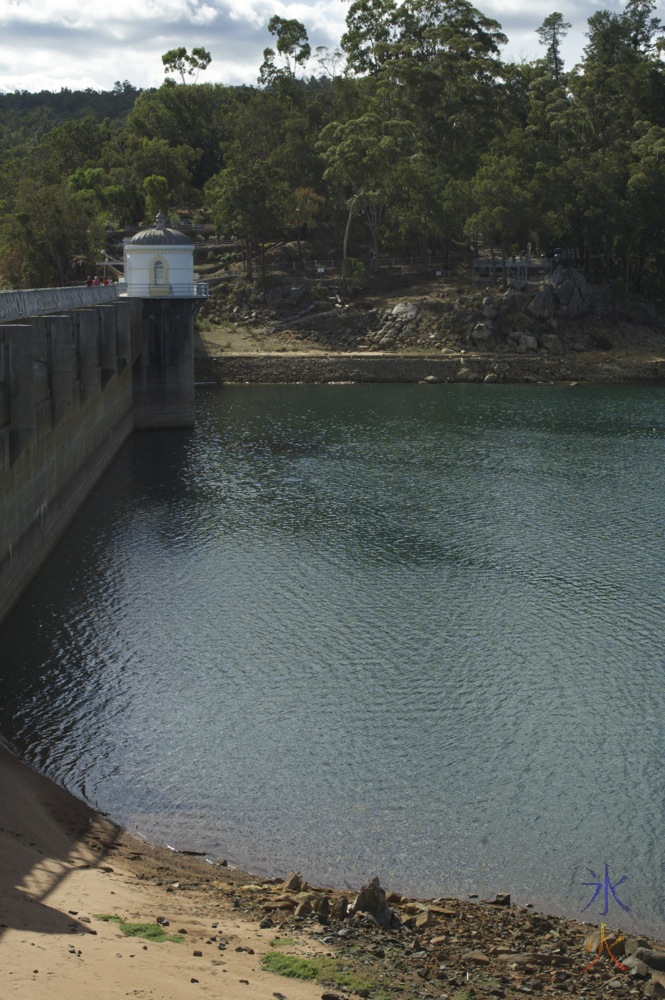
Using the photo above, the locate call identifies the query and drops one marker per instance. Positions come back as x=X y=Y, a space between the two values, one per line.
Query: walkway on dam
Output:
x=21 y=304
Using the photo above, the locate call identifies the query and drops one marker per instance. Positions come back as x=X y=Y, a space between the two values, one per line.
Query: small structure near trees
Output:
x=159 y=263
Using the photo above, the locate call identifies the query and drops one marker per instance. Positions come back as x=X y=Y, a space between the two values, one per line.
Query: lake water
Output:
x=412 y=631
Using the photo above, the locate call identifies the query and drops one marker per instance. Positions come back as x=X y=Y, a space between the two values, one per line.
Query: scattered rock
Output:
x=552 y=343
x=339 y=908
x=372 y=899
x=638 y=968
x=654 y=959
x=477 y=957
x=467 y=375
x=293 y=883
x=527 y=343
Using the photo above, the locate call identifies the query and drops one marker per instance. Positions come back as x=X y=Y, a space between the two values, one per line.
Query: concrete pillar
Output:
x=4 y=401
x=65 y=374
x=21 y=388
x=109 y=346
x=164 y=373
x=123 y=335
x=87 y=324
x=41 y=357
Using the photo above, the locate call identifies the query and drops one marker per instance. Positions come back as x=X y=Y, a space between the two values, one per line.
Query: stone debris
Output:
x=436 y=949
x=490 y=948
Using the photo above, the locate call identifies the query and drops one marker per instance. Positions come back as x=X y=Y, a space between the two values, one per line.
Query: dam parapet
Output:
x=24 y=303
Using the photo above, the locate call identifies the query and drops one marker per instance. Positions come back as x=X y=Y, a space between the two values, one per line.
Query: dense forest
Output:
x=412 y=136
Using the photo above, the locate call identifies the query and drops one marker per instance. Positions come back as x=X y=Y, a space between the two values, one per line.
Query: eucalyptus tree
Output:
x=292 y=45
x=441 y=59
x=156 y=191
x=361 y=156
x=551 y=33
x=645 y=233
x=185 y=63
x=501 y=198
x=268 y=153
x=251 y=203
x=331 y=62
x=370 y=34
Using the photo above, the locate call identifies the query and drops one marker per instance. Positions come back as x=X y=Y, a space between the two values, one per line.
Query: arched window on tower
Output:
x=158 y=273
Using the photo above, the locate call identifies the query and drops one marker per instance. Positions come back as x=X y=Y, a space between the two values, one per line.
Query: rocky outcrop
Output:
x=508 y=321
x=567 y=295
x=559 y=317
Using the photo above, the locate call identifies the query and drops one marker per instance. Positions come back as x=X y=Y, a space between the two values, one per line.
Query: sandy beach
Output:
x=62 y=866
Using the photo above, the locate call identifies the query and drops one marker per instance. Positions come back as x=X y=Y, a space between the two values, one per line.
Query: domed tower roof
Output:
x=160 y=235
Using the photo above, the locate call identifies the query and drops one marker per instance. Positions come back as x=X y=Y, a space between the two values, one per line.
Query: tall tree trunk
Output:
x=347 y=231
x=249 y=256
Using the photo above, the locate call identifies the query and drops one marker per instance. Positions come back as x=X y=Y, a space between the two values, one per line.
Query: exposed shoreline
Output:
x=62 y=865
x=373 y=367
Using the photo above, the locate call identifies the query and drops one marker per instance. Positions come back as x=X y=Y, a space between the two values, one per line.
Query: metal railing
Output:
x=196 y=290
x=19 y=304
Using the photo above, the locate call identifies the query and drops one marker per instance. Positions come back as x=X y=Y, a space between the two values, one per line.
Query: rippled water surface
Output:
x=406 y=630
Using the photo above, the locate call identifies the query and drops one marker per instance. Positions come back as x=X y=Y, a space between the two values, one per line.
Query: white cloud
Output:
x=49 y=44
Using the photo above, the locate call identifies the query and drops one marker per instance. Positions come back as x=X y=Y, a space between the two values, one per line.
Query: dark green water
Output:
x=399 y=630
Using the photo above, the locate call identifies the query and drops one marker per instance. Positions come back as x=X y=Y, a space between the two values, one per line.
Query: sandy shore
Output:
x=61 y=866
x=64 y=867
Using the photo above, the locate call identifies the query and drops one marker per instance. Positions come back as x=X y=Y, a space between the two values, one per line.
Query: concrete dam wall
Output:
x=73 y=387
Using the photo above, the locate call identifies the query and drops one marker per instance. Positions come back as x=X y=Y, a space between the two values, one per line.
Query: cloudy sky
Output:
x=49 y=44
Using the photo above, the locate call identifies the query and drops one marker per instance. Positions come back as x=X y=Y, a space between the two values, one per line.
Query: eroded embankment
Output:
x=373 y=367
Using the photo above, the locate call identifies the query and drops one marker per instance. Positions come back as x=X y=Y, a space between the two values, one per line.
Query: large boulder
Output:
x=483 y=336
x=509 y=301
x=571 y=291
x=543 y=304
x=578 y=305
x=552 y=343
x=372 y=899
x=527 y=343
x=404 y=312
x=467 y=375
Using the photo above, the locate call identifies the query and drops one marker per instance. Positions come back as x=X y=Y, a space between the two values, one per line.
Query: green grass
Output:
x=280 y=942
x=322 y=968
x=290 y=966
x=149 y=932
